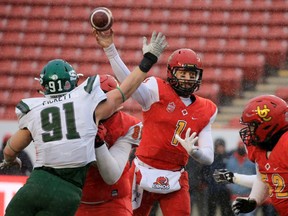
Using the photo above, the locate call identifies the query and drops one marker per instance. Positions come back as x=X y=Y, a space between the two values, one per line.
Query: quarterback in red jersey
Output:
x=266 y=135
x=107 y=188
x=171 y=110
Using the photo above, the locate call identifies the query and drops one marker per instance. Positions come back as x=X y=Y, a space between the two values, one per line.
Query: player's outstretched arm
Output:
x=105 y=39
x=116 y=97
x=225 y=176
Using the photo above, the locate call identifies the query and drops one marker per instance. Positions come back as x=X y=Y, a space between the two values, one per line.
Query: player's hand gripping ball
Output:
x=101 y=19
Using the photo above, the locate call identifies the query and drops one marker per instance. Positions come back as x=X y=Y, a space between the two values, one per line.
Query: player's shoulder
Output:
x=89 y=84
x=123 y=118
x=284 y=137
x=27 y=104
x=128 y=117
x=282 y=142
x=205 y=101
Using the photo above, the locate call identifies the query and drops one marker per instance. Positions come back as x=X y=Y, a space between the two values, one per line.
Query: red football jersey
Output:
x=274 y=172
x=166 y=118
x=95 y=189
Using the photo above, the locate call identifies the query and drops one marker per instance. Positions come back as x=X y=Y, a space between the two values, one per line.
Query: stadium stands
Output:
x=235 y=39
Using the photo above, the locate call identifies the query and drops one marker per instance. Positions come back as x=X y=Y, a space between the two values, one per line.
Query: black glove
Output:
x=100 y=137
x=223 y=176
x=243 y=205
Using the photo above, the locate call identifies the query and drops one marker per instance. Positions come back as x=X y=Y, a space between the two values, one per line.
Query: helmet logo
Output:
x=67 y=85
x=73 y=75
x=54 y=77
x=263 y=113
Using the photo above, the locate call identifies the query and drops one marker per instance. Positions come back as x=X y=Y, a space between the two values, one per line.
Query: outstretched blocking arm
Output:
x=117 y=96
x=157 y=44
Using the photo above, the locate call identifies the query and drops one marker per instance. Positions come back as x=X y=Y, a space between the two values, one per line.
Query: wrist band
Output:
x=123 y=95
x=147 y=62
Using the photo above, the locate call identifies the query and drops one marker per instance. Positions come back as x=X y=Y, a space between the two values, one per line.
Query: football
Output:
x=101 y=19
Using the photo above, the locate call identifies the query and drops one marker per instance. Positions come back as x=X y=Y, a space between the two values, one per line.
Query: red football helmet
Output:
x=187 y=60
x=266 y=117
x=108 y=82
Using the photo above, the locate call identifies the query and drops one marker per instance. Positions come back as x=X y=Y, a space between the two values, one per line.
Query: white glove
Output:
x=16 y=163
x=189 y=142
x=157 y=44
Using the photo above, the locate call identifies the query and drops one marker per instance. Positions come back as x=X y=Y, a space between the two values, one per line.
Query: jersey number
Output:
x=279 y=185
x=51 y=123
x=180 y=126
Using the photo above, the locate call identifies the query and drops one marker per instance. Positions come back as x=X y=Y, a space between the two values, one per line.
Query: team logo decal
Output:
x=54 y=77
x=263 y=113
x=184 y=112
x=161 y=183
x=267 y=166
x=171 y=107
x=67 y=85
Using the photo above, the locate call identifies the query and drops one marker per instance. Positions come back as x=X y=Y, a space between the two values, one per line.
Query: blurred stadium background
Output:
x=243 y=44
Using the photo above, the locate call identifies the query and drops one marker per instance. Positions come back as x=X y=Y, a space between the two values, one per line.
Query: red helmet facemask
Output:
x=185 y=60
x=266 y=119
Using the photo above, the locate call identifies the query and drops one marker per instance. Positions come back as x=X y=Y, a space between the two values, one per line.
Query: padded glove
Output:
x=223 y=176
x=243 y=205
x=100 y=137
x=16 y=163
x=189 y=142
x=156 y=46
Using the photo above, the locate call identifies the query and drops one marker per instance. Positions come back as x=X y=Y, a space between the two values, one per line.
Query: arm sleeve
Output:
x=111 y=162
x=244 y=180
x=205 y=154
x=260 y=190
x=143 y=94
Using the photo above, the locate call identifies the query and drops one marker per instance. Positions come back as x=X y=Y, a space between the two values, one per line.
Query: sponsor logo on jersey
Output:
x=171 y=107
x=184 y=112
x=267 y=166
x=161 y=183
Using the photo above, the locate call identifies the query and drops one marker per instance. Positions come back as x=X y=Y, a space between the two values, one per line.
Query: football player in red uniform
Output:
x=266 y=121
x=107 y=188
x=176 y=125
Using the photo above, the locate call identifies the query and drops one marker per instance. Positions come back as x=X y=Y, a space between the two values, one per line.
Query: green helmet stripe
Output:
x=90 y=82
x=23 y=107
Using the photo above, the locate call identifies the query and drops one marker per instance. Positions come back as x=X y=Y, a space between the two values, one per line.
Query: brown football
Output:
x=101 y=19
